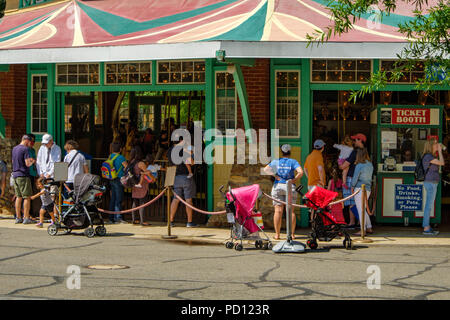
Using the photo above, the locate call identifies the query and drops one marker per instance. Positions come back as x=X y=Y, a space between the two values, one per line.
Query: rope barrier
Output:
x=196 y=209
x=303 y=206
x=137 y=208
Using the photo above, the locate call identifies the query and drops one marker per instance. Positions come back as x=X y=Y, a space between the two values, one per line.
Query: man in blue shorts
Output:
x=283 y=169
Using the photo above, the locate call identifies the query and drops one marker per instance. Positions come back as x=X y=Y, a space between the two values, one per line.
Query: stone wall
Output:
x=6 y=205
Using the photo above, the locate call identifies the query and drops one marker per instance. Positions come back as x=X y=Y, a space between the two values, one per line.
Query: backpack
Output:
x=419 y=172
x=108 y=170
x=129 y=179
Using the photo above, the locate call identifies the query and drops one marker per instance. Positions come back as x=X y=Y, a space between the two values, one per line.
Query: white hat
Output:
x=286 y=148
x=46 y=138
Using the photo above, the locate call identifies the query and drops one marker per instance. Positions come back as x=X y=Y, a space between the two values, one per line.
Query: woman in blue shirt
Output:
x=431 y=165
x=362 y=175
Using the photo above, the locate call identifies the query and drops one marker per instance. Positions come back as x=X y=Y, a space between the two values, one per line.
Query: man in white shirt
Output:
x=76 y=160
x=48 y=154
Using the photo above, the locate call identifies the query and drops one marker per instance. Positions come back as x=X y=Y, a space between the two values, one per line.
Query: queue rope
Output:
x=196 y=209
x=303 y=206
x=137 y=208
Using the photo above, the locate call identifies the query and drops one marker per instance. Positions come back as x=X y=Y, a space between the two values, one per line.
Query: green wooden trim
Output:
x=243 y=98
x=142 y=87
x=246 y=62
x=209 y=123
x=51 y=106
x=4 y=67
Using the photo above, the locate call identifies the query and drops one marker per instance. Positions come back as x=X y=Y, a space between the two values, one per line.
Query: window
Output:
x=146 y=117
x=128 y=73
x=225 y=102
x=287 y=116
x=39 y=104
x=181 y=71
x=408 y=76
x=77 y=74
x=340 y=70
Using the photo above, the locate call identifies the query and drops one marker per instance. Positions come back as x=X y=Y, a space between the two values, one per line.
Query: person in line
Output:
x=335 y=182
x=151 y=172
x=359 y=141
x=432 y=159
x=283 y=169
x=345 y=149
x=76 y=160
x=48 y=205
x=362 y=175
x=314 y=166
x=183 y=186
x=21 y=161
x=117 y=192
x=48 y=154
x=3 y=172
x=35 y=205
x=138 y=194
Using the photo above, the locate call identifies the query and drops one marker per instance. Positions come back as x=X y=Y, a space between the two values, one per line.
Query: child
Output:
x=188 y=161
x=152 y=171
x=346 y=149
x=335 y=183
x=48 y=205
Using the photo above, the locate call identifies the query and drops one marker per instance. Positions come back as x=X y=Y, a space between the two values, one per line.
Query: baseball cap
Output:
x=359 y=136
x=318 y=144
x=46 y=138
x=286 y=148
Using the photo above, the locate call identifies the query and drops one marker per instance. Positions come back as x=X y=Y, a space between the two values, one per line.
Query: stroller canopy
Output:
x=82 y=182
x=245 y=200
x=319 y=197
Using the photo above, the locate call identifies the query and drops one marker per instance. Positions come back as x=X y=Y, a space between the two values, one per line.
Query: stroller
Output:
x=246 y=221
x=80 y=212
x=326 y=223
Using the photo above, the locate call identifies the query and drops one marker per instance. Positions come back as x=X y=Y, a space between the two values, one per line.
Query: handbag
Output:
x=420 y=173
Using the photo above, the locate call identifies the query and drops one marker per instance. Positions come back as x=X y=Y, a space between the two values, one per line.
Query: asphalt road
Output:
x=34 y=265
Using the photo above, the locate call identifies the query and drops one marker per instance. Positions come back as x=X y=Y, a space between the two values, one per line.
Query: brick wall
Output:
x=257 y=82
x=13 y=90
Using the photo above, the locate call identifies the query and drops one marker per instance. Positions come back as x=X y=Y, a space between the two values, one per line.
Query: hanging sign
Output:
x=411 y=116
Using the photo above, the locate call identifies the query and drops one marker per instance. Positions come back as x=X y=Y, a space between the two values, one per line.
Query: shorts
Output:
x=347 y=192
x=22 y=187
x=49 y=208
x=184 y=187
x=279 y=193
x=341 y=161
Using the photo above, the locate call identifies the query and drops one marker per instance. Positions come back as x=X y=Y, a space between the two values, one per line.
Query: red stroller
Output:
x=245 y=219
x=326 y=223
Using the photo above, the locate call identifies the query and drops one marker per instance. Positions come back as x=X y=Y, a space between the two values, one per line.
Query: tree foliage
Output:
x=427 y=33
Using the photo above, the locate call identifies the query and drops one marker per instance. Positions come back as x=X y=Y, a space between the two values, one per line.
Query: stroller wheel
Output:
x=268 y=246
x=312 y=244
x=100 y=231
x=229 y=245
x=52 y=230
x=348 y=244
x=238 y=247
x=258 y=244
x=89 y=232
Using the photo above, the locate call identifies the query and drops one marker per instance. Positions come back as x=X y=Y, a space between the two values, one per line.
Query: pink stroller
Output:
x=246 y=221
x=326 y=223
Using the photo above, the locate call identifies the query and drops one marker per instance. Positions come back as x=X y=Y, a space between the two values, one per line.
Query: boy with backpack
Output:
x=112 y=170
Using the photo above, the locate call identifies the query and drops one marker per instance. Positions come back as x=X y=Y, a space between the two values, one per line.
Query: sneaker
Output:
x=191 y=225
x=122 y=222
x=18 y=220
x=172 y=225
x=39 y=225
x=138 y=186
x=431 y=232
x=27 y=221
x=190 y=175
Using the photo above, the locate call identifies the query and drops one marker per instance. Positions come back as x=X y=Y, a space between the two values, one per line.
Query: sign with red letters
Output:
x=413 y=116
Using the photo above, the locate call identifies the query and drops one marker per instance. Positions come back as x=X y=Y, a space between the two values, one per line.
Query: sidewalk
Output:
x=384 y=235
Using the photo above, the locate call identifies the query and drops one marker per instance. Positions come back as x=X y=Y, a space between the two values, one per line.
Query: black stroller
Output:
x=80 y=211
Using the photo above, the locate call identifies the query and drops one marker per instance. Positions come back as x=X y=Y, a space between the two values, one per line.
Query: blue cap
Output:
x=318 y=144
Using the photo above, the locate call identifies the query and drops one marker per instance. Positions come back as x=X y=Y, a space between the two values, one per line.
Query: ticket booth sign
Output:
x=408 y=197
x=413 y=116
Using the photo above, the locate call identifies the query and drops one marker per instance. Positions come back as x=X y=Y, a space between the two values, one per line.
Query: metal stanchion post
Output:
x=289 y=246
x=169 y=228
x=362 y=217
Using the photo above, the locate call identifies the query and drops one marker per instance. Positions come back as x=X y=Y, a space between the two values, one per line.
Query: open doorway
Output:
x=95 y=119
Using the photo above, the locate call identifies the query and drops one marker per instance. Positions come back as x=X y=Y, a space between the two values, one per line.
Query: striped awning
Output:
x=152 y=29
